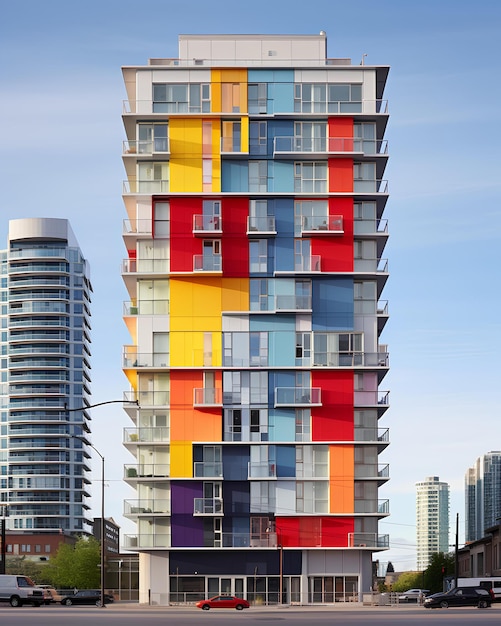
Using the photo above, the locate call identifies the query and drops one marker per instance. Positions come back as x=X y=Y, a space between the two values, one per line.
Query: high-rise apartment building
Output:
x=255 y=237
x=432 y=519
x=45 y=370
x=482 y=495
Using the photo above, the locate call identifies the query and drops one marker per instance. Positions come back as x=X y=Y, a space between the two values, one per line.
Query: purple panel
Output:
x=186 y=530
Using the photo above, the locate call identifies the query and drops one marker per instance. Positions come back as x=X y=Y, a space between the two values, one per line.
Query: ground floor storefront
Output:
x=263 y=578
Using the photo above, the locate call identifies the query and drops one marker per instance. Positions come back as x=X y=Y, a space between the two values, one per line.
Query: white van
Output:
x=19 y=590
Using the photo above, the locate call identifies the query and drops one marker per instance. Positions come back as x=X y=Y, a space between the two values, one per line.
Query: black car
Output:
x=460 y=596
x=87 y=596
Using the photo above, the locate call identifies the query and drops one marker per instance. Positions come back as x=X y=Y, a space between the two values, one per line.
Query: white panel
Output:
x=303 y=323
x=286 y=497
x=234 y=323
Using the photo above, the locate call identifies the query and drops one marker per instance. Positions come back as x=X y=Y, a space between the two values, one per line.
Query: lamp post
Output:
x=102 y=515
x=84 y=408
x=2 y=539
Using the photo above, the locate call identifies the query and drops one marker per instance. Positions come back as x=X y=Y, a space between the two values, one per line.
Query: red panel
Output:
x=340 y=127
x=235 y=245
x=340 y=175
x=333 y=421
x=183 y=244
x=336 y=251
x=312 y=532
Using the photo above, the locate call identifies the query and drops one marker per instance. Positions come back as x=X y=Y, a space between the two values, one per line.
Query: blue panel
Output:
x=284 y=241
x=282 y=97
x=236 y=498
x=235 y=462
x=279 y=128
x=286 y=461
x=282 y=348
x=282 y=424
x=272 y=323
x=281 y=176
x=234 y=176
x=270 y=76
x=332 y=304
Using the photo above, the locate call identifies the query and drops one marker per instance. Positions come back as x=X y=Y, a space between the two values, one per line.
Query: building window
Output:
x=258 y=294
x=181 y=98
x=152 y=138
x=258 y=176
x=310 y=177
x=47 y=547
x=257 y=96
x=258 y=138
x=327 y=98
x=310 y=136
x=258 y=256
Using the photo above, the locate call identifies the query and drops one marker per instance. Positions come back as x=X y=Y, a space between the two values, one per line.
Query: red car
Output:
x=223 y=602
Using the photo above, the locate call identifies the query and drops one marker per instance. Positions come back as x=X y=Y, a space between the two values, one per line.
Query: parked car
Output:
x=19 y=590
x=413 y=595
x=223 y=602
x=461 y=596
x=49 y=594
x=87 y=596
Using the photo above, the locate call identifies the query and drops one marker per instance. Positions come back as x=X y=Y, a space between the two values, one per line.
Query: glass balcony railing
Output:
x=137 y=227
x=145 y=359
x=370 y=227
x=370 y=186
x=203 y=263
x=207 y=397
x=144 y=541
x=207 y=224
x=146 y=470
x=145 y=186
x=368 y=540
x=147 y=434
x=293 y=303
x=146 y=147
x=322 y=225
x=147 y=398
x=297 y=396
x=263 y=225
x=208 y=506
x=145 y=266
x=208 y=469
x=146 y=307
x=261 y=469
x=379 y=507
x=351 y=359
x=147 y=507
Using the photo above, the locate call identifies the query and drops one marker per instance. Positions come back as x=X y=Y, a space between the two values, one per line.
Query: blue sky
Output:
x=60 y=100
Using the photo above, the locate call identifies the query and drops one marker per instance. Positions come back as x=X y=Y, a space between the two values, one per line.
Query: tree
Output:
x=407 y=580
x=441 y=565
x=77 y=566
x=20 y=565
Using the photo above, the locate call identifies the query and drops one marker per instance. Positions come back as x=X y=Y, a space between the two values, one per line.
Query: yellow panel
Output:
x=181 y=459
x=341 y=479
x=185 y=138
x=235 y=294
x=228 y=76
x=215 y=94
x=244 y=129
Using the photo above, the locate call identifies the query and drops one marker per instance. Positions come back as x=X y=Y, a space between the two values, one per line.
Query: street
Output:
x=132 y=614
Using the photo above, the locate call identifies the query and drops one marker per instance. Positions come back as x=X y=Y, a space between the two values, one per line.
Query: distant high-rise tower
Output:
x=482 y=495
x=45 y=370
x=432 y=519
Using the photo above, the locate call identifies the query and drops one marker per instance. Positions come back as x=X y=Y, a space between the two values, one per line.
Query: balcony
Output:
x=380 y=472
x=379 y=435
x=262 y=469
x=202 y=263
x=144 y=359
x=145 y=266
x=323 y=225
x=152 y=434
x=137 y=228
x=351 y=359
x=322 y=146
x=145 y=186
x=293 y=303
x=207 y=469
x=207 y=506
x=147 y=398
x=307 y=263
x=142 y=542
x=379 y=508
x=370 y=227
x=370 y=186
x=146 y=307
x=146 y=470
x=261 y=226
x=158 y=506
x=204 y=225
x=146 y=147
x=207 y=397
x=368 y=540
x=297 y=396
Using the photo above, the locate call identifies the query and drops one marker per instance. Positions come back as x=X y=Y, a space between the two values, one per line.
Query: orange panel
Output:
x=341 y=479
x=186 y=422
x=340 y=175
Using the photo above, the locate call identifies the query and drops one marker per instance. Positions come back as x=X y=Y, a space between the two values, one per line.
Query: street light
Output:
x=84 y=440
x=102 y=514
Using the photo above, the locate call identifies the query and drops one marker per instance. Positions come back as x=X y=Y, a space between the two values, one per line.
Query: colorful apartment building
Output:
x=255 y=195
